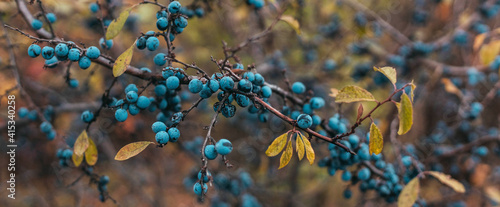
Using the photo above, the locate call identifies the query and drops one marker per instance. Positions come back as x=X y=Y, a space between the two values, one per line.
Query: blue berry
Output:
x=259 y=79
x=206 y=176
x=245 y=85
x=174 y=134
x=317 y=102
x=174 y=7
x=298 y=88
x=51 y=63
x=34 y=50
x=87 y=116
x=73 y=83
x=45 y=127
x=197 y=186
x=199 y=12
x=242 y=100
x=304 y=121
x=158 y=126
x=181 y=22
x=103 y=180
x=132 y=96
x=364 y=174
x=213 y=85
x=162 y=23
x=346 y=175
x=223 y=147
x=51 y=17
x=162 y=137
x=94 y=7
x=84 y=62
x=152 y=43
x=146 y=70
x=133 y=109
x=51 y=135
x=23 y=112
x=143 y=102
x=161 y=13
x=228 y=110
x=93 y=52
x=105 y=44
x=131 y=87
x=160 y=90
x=74 y=54
x=406 y=160
x=61 y=50
x=121 y=115
x=177 y=117
x=481 y=151
x=210 y=152
x=266 y=91
x=160 y=59
x=36 y=24
x=141 y=43
x=248 y=75
x=172 y=82
x=347 y=193
x=226 y=83
x=195 y=86
x=47 y=53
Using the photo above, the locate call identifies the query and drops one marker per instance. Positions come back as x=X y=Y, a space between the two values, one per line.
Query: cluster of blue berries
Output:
x=46 y=126
x=65 y=51
x=132 y=103
x=64 y=156
x=164 y=135
x=102 y=186
x=222 y=147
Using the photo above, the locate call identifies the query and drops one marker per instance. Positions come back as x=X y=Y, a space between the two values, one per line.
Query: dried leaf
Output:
x=409 y=194
x=131 y=150
x=350 y=94
x=277 y=146
x=81 y=143
x=91 y=153
x=376 y=140
x=447 y=180
x=286 y=156
x=405 y=115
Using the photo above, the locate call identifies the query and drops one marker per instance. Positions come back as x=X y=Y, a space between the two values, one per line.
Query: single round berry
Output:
x=158 y=126
x=87 y=116
x=298 y=88
x=174 y=134
x=152 y=43
x=93 y=52
x=195 y=86
x=36 y=24
x=242 y=100
x=34 y=50
x=223 y=147
x=174 y=7
x=103 y=180
x=173 y=82
x=210 y=152
x=160 y=59
x=51 y=135
x=84 y=62
x=228 y=110
x=161 y=13
x=105 y=44
x=226 y=83
x=248 y=75
x=121 y=115
x=74 y=54
x=23 y=112
x=364 y=174
x=317 y=102
x=47 y=53
x=181 y=22
x=45 y=127
x=143 y=102
x=162 y=23
x=132 y=96
x=131 y=87
x=197 y=186
x=162 y=137
x=304 y=121
x=73 y=83
x=51 y=63
x=160 y=90
x=213 y=85
x=94 y=7
x=259 y=79
x=245 y=85
x=61 y=50
x=141 y=43
x=346 y=175
x=266 y=91
x=51 y=17
x=205 y=177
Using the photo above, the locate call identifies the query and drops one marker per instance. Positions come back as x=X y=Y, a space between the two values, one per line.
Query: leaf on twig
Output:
x=286 y=156
x=123 y=61
x=117 y=24
x=277 y=145
x=447 y=180
x=350 y=94
x=131 y=150
x=389 y=72
x=409 y=194
x=81 y=143
x=376 y=140
x=91 y=153
x=292 y=22
x=405 y=111
x=309 y=150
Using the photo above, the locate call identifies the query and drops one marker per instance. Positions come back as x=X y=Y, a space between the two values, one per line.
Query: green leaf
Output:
x=409 y=194
x=123 y=61
x=277 y=146
x=91 y=153
x=131 y=150
x=292 y=22
x=350 y=94
x=309 y=150
x=376 y=140
x=389 y=72
x=286 y=156
x=117 y=24
x=405 y=111
x=447 y=180
x=299 y=145
x=77 y=159
x=81 y=144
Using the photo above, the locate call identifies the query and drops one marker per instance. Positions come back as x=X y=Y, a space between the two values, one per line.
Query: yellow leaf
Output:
x=81 y=143
x=77 y=159
x=376 y=140
x=286 y=156
x=299 y=144
x=350 y=94
x=277 y=146
x=409 y=194
x=412 y=91
x=123 y=61
x=117 y=24
x=488 y=52
x=309 y=150
x=479 y=40
x=131 y=150
x=91 y=153
x=292 y=22
x=334 y=92
x=405 y=114
x=493 y=193
x=389 y=72
x=447 y=180
x=450 y=87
